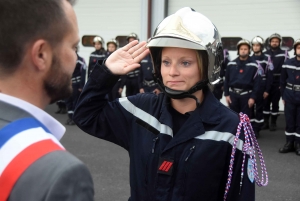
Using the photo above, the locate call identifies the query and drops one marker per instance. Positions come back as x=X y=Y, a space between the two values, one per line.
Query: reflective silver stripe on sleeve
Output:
x=261 y=62
x=252 y=64
x=96 y=55
x=231 y=63
x=137 y=112
x=291 y=67
x=221 y=136
x=280 y=55
x=82 y=64
x=289 y=134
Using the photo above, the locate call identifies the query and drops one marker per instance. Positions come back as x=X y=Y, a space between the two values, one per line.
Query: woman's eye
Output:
x=166 y=63
x=185 y=63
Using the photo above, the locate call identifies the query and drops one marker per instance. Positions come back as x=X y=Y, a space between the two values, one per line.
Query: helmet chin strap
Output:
x=178 y=94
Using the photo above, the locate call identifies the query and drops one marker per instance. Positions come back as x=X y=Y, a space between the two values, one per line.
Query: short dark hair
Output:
x=23 y=21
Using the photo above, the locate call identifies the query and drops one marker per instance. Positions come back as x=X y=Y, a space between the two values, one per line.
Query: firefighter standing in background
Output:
x=266 y=67
x=146 y=82
x=78 y=81
x=98 y=54
x=62 y=108
x=290 y=90
x=112 y=45
x=242 y=81
x=278 y=56
x=219 y=87
x=132 y=78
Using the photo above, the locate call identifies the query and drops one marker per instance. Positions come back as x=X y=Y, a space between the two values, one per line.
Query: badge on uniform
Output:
x=297 y=77
x=250 y=170
x=241 y=70
x=165 y=166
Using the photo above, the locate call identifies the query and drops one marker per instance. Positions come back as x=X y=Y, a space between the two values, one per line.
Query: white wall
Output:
x=107 y=18
x=248 y=18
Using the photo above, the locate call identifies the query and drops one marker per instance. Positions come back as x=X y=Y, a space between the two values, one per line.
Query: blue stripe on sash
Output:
x=18 y=126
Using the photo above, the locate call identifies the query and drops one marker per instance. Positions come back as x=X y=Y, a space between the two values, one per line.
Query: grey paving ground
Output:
x=109 y=164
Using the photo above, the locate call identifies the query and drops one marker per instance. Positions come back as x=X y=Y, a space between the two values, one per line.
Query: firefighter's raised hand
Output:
x=127 y=58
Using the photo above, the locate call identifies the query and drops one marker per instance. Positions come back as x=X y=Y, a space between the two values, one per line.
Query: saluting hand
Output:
x=127 y=58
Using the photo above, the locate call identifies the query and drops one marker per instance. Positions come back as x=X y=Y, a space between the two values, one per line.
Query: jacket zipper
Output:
x=154 y=143
x=186 y=169
x=191 y=151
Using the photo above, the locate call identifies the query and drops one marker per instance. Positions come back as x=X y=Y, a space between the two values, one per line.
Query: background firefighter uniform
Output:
x=277 y=57
x=78 y=81
x=266 y=66
x=290 y=88
x=218 y=88
x=94 y=57
x=190 y=164
x=146 y=81
x=114 y=94
x=132 y=82
x=242 y=83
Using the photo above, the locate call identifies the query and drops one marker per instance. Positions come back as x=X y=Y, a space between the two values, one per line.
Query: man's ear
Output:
x=41 y=55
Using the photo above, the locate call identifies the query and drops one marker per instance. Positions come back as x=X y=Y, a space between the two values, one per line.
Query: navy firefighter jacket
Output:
x=98 y=55
x=242 y=75
x=191 y=164
x=278 y=57
x=146 y=75
x=266 y=66
x=290 y=81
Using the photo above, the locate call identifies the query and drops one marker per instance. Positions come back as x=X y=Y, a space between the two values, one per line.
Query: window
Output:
x=122 y=40
x=229 y=43
x=87 y=40
x=287 y=43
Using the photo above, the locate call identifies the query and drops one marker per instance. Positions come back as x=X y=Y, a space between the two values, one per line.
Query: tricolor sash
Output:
x=22 y=142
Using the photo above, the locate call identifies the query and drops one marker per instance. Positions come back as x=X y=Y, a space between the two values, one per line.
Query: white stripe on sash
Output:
x=21 y=141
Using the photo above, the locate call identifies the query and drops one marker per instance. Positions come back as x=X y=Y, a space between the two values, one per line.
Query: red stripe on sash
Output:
x=21 y=162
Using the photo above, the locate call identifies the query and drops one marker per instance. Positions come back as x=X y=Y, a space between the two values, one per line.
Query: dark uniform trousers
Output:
x=273 y=98
x=266 y=67
x=278 y=57
x=290 y=84
x=239 y=103
x=78 y=81
x=72 y=100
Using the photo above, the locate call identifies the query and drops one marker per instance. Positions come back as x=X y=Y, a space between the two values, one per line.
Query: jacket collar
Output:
x=206 y=113
x=56 y=128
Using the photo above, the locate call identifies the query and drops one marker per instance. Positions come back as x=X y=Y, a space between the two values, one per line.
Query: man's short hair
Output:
x=24 y=21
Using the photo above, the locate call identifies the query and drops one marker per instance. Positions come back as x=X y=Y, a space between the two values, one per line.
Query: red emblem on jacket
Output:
x=241 y=70
x=297 y=77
